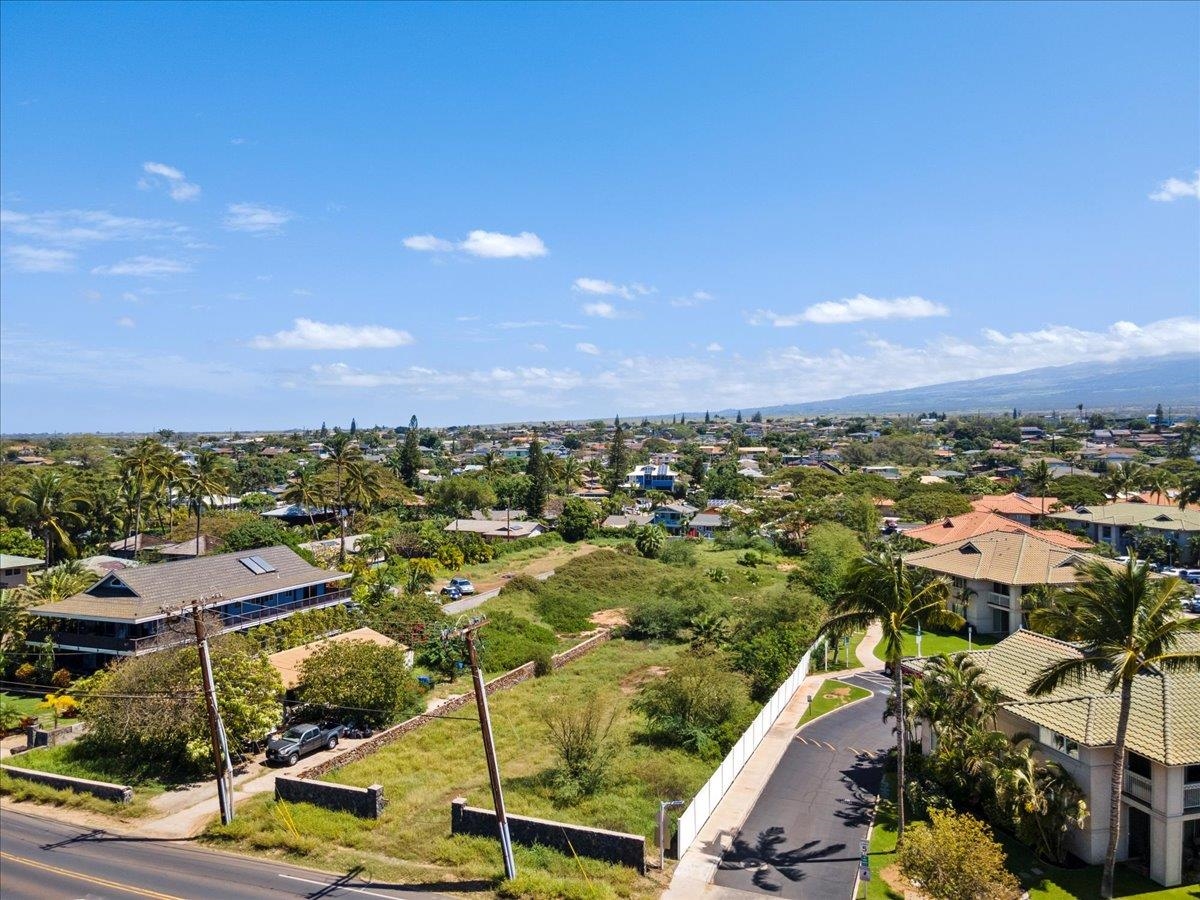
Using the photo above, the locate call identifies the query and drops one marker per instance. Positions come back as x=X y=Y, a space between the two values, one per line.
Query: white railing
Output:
x=707 y=798
x=1137 y=786
x=1191 y=795
x=999 y=600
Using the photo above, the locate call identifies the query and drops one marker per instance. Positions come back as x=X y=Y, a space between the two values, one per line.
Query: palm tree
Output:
x=141 y=465
x=880 y=586
x=1127 y=625
x=1041 y=797
x=1126 y=477
x=307 y=492
x=363 y=484
x=571 y=473
x=56 y=583
x=52 y=503
x=1039 y=477
x=342 y=452
x=1189 y=491
x=1159 y=484
x=201 y=484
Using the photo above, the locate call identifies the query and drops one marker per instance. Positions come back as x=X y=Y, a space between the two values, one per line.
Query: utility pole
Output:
x=489 y=748
x=216 y=728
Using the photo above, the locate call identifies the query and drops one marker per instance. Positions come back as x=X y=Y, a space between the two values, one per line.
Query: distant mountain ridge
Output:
x=1134 y=384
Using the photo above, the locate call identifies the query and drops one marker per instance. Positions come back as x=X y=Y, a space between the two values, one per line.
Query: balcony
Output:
x=1191 y=796
x=999 y=600
x=1137 y=787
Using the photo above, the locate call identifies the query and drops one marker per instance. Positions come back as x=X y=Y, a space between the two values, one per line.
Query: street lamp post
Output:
x=919 y=636
x=970 y=634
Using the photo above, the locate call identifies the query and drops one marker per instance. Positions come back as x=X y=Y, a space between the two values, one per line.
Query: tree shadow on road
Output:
x=862 y=785
x=766 y=857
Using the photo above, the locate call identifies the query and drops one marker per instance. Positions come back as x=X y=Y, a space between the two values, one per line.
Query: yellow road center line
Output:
x=91 y=879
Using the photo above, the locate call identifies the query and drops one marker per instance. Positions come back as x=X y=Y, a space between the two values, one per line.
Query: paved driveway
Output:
x=801 y=838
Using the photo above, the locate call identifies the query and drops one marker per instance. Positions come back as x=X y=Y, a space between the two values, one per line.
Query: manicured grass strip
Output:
x=936 y=642
x=73 y=759
x=830 y=696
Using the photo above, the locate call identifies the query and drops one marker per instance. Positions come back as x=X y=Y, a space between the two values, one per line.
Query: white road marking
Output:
x=338 y=887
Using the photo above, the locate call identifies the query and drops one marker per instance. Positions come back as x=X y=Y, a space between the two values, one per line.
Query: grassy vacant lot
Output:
x=935 y=642
x=424 y=771
x=830 y=696
x=1052 y=884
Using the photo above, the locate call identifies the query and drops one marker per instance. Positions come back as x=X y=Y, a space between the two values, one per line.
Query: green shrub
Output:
x=508 y=641
x=25 y=672
x=954 y=857
x=521 y=582
x=361 y=680
x=679 y=553
x=656 y=618
x=61 y=679
x=504 y=548
x=698 y=705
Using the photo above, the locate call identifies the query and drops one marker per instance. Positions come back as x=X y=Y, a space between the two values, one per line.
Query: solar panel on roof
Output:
x=252 y=563
x=266 y=566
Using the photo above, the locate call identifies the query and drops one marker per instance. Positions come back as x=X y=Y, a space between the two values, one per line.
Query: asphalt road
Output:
x=41 y=859
x=801 y=839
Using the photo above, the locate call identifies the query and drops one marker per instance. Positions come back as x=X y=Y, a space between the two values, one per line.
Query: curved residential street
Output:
x=801 y=838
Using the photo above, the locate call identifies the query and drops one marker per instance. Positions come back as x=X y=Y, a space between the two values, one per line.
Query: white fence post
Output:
x=707 y=798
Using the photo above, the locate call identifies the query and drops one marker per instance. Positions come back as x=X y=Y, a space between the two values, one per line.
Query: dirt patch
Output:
x=786 y=567
x=894 y=878
x=838 y=694
x=634 y=680
x=609 y=618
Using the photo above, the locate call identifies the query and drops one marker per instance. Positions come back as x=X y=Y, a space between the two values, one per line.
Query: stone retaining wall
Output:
x=121 y=793
x=610 y=846
x=365 y=802
x=503 y=682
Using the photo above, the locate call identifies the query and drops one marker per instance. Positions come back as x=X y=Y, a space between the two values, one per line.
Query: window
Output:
x=998 y=588
x=1059 y=742
x=1138 y=765
x=1191 y=774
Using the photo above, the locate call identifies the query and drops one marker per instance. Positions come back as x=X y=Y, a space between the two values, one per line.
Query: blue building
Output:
x=651 y=477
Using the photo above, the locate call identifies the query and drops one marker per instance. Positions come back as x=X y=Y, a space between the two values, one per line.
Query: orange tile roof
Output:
x=970 y=524
x=1014 y=504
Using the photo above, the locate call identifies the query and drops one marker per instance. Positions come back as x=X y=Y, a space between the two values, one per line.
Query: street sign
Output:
x=862 y=846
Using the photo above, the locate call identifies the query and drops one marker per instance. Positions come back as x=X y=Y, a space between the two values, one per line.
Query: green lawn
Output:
x=24 y=706
x=936 y=642
x=830 y=696
x=73 y=759
x=840 y=661
x=425 y=770
x=1052 y=884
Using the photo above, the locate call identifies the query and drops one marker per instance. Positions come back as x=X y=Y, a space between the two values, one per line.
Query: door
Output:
x=1139 y=836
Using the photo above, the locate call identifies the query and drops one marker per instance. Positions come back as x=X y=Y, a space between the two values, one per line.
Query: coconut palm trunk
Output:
x=1118 y=786
x=901 y=746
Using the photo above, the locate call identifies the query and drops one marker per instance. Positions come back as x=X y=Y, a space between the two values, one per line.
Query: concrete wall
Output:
x=42 y=737
x=610 y=846
x=365 y=802
x=121 y=793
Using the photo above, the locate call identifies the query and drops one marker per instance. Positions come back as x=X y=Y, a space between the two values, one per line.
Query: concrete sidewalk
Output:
x=698 y=865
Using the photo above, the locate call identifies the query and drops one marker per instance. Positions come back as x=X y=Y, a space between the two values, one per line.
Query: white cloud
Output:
x=257 y=219
x=126 y=322
x=853 y=309
x=486 y=244
x=589 y=349
x=604 y=288
x=693 y=299
x=81 y=226
x=714 y=347
x=494 y=245
x=144 y=267
x=301 y=292
x=24 y=258
x=309 y=335
x=177 y=185
x=521 y=386
x=539 y=347
x=600 y=309
x=427 y=243
x=1174 y=188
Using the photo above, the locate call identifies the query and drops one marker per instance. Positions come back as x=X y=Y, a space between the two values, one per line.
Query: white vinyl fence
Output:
x=707 y=798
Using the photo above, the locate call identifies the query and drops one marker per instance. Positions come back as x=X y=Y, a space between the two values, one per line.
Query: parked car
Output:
x=1190 y=575
x=300 y=740
x=463 y=585
x=451 y=593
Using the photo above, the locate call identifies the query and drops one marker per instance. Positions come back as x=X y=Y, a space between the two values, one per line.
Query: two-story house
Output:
x=674 y=517
x=137 y=610
x=14 y=570
x=660 y=477
x=990 y=573
x=1114 y=524
x=1075 y=726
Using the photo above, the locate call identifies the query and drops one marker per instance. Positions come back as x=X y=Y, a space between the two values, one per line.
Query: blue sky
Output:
x=271 y=215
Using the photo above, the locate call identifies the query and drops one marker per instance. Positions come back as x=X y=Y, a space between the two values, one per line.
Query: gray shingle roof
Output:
x=141 y=594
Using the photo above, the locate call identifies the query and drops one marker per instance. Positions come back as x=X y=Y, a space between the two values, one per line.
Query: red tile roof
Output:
x=979 y=522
